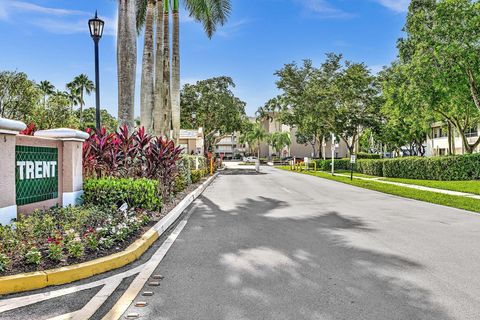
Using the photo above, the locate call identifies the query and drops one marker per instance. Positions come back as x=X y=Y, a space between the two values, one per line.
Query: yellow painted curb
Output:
x=41 y=279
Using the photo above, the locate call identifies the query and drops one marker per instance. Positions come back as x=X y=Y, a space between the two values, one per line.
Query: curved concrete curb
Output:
x=41 y=279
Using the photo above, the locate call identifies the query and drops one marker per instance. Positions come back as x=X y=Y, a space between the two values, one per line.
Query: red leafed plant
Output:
x=30 y=130
x=131 y=155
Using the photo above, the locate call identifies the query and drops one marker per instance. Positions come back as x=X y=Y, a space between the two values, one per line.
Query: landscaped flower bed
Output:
x=131 y=182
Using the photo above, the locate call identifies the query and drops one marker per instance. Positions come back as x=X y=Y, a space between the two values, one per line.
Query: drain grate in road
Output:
x=154 y=284
x=141 y=304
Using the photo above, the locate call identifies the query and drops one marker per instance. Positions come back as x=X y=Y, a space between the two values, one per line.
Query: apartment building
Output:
x=297 y=149
x=438 y=144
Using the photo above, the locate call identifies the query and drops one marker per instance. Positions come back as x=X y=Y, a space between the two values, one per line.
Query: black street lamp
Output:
x=96 y=31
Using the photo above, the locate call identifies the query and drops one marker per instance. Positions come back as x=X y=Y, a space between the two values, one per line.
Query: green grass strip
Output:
x=427 y=196
x=460 y=186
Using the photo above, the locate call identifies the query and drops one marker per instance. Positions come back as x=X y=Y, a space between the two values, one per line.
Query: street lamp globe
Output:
x=96 y=27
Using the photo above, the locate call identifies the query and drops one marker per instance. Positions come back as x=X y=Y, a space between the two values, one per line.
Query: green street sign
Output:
x=36 y=174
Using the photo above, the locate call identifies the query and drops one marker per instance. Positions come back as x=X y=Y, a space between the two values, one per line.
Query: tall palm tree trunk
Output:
x=126 y=61
x=167 y=101
x=147 y=85
x=81 y=105
x=176 y=71
x=158 y=96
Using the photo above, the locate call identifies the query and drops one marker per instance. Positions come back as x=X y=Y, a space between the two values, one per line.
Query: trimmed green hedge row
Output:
x=137 y=193
x=461 y=167
x=364 y=155
x=326 y=165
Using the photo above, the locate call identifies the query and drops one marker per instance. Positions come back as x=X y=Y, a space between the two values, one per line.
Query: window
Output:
x=472 y=132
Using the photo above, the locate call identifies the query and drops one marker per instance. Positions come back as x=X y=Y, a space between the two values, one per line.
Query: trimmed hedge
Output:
x=197 y=175
x=364 y=155
x=461 y=167
x=113 y=192
x=370 y=167
x=326 y=165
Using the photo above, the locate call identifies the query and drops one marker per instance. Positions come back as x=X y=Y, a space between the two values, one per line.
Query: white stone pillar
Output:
x=8 y=205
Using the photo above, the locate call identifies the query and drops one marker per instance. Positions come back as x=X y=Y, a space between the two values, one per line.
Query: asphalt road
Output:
x=286 y=246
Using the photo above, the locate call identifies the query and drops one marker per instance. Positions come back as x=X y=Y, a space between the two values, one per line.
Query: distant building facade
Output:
x=438 y=142
x=296 y=149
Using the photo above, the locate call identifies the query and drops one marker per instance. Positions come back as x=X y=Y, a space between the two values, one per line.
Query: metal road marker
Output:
x=143 y=277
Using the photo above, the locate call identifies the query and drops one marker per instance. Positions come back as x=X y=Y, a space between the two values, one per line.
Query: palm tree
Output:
x=158 y=96
x=126 y=61
x=83 y=84
x=73 y=94
x=255 y=135
x=210 y=13
x=279 y=140
x=166 y=101
x=166 y=116
x=147 y=91
x=48 y=89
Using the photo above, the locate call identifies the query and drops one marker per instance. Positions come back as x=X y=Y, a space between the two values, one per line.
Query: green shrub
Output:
x=4 y=262
x=180 y=183
x=75 y=248
x=184 y=169
x=55 y=252
x=197 y=175
x=137 y=193
x=326 y=165
x=33 y=256
x=461 y=167
x=364 y=155
x=370 y=167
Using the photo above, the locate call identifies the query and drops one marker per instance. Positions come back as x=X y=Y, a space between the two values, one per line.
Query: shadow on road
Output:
x=299 y=266
x=241 y=172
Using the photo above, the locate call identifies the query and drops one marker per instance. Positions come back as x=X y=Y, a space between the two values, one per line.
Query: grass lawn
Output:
x=355 y=174
x=427 y=196
x=460 y=186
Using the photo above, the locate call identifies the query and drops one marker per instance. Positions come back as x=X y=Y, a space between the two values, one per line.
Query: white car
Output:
x=249 y=159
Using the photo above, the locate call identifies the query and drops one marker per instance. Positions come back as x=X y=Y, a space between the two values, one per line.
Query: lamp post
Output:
x=96 y=31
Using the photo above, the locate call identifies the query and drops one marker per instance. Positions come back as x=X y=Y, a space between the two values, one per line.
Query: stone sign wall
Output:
x=38 y=172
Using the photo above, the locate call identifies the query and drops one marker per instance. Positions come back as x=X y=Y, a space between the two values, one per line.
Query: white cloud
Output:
x=25 y=6
x=323 y=9
x=395 y=5
x=231 y=28
x=54 y=20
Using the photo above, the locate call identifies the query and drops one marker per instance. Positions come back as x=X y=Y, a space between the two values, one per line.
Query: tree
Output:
x=403 y=124
x=147 y=93
x=211 y=105
x=440 y=53
x=254 y=135
x=18 y=95
x=278 y=141
x=83 y=85
x=210 y=13
x=47 y=88
x=108 y=121
x=307 y=93
x=56 y=114
x=73 y=94
x=158 y=95
x=166 y=97
x=355 y=93
x=126 y=61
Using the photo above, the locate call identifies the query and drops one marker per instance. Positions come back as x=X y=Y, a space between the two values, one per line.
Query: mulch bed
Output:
x=19 y=266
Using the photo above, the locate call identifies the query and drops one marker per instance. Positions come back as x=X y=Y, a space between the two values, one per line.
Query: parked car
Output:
x=249 y=159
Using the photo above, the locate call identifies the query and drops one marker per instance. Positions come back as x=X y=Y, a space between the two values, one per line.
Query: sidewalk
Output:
x=449 y=192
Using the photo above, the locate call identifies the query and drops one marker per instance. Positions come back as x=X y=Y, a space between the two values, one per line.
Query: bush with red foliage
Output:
x=131 y=155
x=30 y=130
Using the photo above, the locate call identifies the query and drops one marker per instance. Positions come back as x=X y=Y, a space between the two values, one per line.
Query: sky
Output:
x=49 y=40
